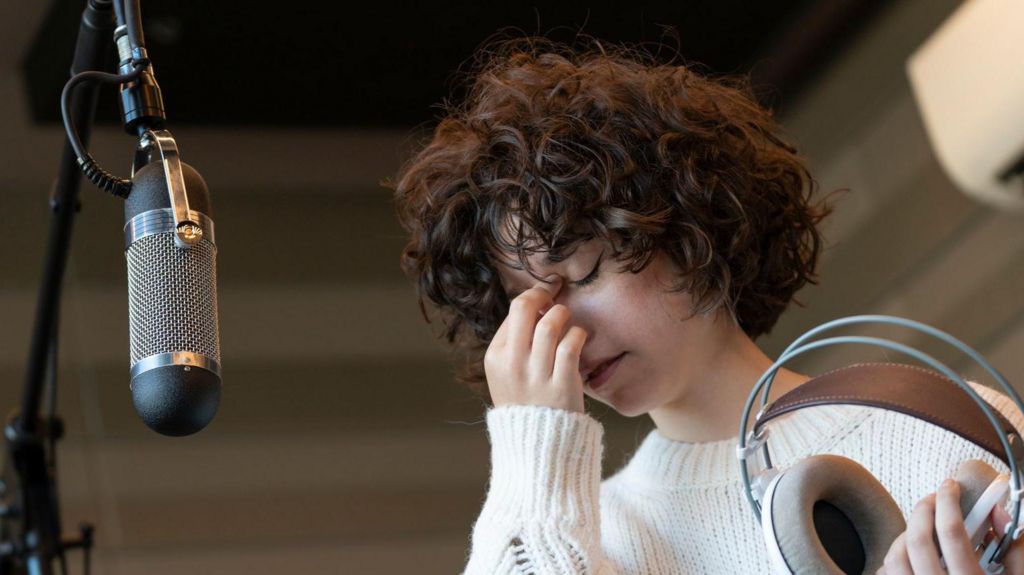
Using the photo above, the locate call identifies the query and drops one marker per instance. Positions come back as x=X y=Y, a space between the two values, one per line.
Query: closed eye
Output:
x=591 y=276
x=589 y=279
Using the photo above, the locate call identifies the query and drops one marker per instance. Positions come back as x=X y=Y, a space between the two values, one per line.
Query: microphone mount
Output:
x=187 y=229
x=30 y=522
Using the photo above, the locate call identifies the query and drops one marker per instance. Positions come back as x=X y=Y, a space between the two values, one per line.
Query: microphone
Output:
x=172 y=292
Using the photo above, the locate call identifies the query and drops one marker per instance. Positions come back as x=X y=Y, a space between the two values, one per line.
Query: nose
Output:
x=553 y=284
x=581 y=312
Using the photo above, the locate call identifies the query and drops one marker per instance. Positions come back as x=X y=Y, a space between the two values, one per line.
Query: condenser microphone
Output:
x=172 y=293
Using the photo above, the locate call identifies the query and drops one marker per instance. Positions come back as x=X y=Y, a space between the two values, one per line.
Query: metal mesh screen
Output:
x=172 y=297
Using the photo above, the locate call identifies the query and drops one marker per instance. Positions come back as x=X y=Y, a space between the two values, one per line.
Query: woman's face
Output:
x=667 y=355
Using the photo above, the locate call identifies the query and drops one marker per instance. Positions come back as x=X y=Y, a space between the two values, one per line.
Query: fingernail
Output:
x=949 y=483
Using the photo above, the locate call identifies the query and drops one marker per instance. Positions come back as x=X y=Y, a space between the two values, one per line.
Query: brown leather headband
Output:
x=908 y=389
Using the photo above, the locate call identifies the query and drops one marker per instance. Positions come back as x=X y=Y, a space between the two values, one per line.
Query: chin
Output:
x=626 y=406
x=631 y=413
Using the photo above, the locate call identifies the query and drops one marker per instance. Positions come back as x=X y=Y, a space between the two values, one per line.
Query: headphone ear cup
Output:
x=974 y=477
x=980 y=485
x=831 y=516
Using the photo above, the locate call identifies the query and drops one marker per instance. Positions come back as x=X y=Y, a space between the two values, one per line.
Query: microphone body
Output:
x=172 y=293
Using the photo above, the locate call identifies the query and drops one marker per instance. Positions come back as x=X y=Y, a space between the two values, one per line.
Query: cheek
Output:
x=639 y=391
x=646 y=319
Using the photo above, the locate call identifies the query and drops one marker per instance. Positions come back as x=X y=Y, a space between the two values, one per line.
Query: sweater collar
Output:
x=664 y=462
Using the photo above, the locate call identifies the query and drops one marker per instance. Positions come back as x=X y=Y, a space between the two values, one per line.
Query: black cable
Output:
x=118 y=186
x=126 y=11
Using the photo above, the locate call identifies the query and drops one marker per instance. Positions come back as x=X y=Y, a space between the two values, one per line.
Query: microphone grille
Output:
x=172 y=295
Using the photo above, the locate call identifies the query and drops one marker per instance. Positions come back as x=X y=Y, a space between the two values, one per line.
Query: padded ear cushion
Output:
x=974 y=477
x=867 y=522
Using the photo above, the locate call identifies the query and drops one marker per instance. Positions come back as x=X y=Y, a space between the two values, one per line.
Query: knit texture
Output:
x=677 y=507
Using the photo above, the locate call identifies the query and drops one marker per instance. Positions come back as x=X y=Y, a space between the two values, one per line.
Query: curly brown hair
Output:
x=604 y=142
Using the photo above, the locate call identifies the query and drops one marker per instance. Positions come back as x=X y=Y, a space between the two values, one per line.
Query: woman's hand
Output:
x=531 y=362
x=914 y=551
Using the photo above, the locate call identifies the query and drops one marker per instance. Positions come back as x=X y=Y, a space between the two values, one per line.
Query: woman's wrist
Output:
x=546 y=462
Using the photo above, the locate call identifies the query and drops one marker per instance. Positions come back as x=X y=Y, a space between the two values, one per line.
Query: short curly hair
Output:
x=604 y=142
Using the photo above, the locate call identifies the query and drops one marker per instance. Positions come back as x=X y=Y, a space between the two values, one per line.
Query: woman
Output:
x=594 y=223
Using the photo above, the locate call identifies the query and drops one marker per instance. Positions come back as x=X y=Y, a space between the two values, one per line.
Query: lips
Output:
x=600 y=366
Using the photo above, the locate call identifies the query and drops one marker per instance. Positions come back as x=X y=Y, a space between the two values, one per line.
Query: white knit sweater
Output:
x=676 y=507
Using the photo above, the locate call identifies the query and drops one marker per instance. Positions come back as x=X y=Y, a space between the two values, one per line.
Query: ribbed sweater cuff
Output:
x=545 y=464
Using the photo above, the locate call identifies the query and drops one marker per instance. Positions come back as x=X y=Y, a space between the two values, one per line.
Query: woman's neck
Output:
x=710 y=409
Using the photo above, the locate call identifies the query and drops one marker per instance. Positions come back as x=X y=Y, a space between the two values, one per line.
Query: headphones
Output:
x=827 y=514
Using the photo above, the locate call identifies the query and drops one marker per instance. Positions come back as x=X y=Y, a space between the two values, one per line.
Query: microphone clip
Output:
x=187 y=229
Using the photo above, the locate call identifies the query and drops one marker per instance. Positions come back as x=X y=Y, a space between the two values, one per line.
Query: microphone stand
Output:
x=30 y=524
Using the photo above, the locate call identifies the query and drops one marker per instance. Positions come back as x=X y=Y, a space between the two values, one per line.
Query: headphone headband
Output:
x=908 y=389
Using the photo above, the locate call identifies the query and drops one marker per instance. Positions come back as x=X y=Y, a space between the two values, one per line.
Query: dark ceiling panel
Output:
x=374 y=64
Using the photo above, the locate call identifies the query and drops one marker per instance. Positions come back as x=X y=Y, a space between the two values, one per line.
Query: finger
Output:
x=1014 y=559
x=897 y=562
x=549 y=332
x=999 y=518
x=921 y=549
x=949 y=525
x=567 y=356
x=523 y=312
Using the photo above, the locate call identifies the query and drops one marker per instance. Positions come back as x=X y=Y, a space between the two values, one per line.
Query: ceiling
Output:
x=387 y=65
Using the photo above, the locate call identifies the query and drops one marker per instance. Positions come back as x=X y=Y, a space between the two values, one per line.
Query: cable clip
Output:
x=1016 y=532
x=754 y=442
x=1016 y=494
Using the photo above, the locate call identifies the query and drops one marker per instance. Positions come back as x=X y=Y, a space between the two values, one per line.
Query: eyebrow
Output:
x=517 y=266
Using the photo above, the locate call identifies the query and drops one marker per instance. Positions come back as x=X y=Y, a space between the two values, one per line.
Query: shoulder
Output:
x=1001 y=402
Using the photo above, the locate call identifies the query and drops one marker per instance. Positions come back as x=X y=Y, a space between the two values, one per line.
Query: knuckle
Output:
x=492 y=363
x=547 y=328
x=555 y=314
x=894 y=559
x=494 y=350
x=566 y=349
x=949 y=527
x=553 y=319
x=919 y=540
x=536 y=293
x=520 y=304
x=498 y=357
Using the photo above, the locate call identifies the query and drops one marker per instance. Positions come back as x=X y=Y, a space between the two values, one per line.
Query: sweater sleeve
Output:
x=542 y=511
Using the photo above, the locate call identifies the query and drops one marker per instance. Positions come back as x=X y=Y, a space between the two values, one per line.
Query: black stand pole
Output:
x=30 y=517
